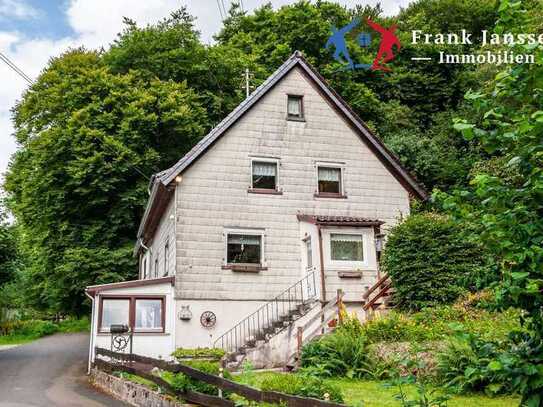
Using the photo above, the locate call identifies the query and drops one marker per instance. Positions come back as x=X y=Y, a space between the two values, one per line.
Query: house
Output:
x=278 y=207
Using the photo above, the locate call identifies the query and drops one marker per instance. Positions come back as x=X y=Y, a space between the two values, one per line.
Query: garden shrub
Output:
x=182 y=382
x=198 y=353
x=302 y=385
x=470 y=364
x=430 y=261
x=342 y=353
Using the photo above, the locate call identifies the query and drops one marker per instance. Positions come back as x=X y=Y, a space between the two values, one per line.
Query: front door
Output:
x=309 y=279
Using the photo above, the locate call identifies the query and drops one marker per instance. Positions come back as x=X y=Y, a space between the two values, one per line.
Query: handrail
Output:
x=380 y=294
x=270 y=316
x=374 y=287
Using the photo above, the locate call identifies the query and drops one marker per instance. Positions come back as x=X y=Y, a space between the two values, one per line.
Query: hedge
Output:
x=430 y=262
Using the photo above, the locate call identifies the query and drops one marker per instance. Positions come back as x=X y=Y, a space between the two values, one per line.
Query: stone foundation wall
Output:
x=131 y=393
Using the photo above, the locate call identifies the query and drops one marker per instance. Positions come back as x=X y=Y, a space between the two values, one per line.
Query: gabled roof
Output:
x=296 y=60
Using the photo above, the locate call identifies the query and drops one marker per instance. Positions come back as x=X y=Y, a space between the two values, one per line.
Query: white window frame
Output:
x=338 y=165
x=368 y=247
x=250 y=232
x=308 y=243
x=272 y=160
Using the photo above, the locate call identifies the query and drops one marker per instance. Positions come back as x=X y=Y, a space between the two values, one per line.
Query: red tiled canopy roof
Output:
x=339 y=220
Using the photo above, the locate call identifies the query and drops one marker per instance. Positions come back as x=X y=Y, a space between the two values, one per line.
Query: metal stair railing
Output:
x=271 y=318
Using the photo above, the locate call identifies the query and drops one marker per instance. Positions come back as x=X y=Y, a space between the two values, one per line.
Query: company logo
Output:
x=385 y=52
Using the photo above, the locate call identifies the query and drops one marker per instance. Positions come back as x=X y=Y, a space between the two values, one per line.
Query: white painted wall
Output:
x=165 y=233
x=157 y=345
x=213 y=195
x=191 y=334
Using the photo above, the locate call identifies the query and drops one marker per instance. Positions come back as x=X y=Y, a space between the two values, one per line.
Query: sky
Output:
x=33 y=31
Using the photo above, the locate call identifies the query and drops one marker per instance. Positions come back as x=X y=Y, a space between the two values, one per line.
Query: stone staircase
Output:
x=268 y=321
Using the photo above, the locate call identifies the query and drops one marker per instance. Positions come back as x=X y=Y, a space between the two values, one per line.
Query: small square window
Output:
x=295 y=107
x=329 y=179
x=346 y=247
x=264 y=175
x=244 y=249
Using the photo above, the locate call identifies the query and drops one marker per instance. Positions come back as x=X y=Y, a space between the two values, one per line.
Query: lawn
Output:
x=368 y=393
x=28 y=331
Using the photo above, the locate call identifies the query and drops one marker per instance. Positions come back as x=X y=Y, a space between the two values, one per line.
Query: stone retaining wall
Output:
x=130 y=392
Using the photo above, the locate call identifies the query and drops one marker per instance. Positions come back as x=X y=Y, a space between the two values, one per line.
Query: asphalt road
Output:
x=49 y=372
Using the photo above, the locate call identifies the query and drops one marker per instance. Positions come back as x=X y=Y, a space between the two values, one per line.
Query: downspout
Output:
x=150 y=266
x=321 y=257
x=91 y=341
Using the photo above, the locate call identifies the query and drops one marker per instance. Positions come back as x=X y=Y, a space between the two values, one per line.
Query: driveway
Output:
x=49 y=372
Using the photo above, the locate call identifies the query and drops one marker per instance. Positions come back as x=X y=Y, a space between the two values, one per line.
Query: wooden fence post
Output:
x=339 y=306
x=221 y=375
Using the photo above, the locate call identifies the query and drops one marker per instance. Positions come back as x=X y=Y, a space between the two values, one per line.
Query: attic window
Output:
x=295 y=108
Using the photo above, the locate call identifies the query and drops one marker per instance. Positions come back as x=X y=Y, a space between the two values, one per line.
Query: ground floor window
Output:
x=140 y=313
x=244 y=249
x=346 y=247
x=148 y=314
x=115 y=311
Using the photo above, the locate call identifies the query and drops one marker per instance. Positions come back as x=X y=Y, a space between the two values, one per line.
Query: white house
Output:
x=286 y=198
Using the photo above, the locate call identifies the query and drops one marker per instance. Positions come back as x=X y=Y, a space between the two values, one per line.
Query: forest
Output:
x=97 y=123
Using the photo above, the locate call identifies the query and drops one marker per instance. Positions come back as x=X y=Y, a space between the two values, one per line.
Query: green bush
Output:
x=29 y=328
x=182 y=382
x=430 y=261
x=302 y=385
x=470 y=364
x=342 y=353
x=198 y=353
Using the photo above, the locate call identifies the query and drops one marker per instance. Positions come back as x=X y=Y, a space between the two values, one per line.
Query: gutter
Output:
x=91 y=341
x=321 y=257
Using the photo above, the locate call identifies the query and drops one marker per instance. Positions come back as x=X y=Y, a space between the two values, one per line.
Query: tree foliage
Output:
x=88 y=140
x=506 y=198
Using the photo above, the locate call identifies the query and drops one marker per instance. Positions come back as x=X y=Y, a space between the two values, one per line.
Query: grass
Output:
x=369 y=393
x=28 y=331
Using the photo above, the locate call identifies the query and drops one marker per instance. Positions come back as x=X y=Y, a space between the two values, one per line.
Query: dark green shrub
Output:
x=182 y=382
x=341 y=353
x=470 y=364
x=301 y=385
x=430 y=261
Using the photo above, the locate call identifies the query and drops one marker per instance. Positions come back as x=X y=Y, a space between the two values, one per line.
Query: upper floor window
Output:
x=144 y=267
x=156 y=267
x=295 y=107
x=264 y=175
x=166 y=257
x=329 y=181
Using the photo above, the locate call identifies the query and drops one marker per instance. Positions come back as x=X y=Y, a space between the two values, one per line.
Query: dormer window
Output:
x=295 y=108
